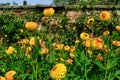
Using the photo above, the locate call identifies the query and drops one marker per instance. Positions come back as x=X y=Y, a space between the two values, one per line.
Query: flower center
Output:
x=104 y=15
x=85 y=35
x=99 y=41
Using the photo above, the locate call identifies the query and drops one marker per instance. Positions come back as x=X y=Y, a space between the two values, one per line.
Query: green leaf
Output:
x=31 y=77
x=71 y=74
x=22 y=76
x=118 y=77
x=65 y=78
x=112 y=62
x=100 y=65
x=117 y=72
x=82 y=57
x=114 y=35
x=52 y=57
x=77 y=78
x=87 y=62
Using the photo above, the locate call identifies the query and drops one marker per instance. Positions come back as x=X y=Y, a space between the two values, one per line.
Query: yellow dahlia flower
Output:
x=32 y=41
x=72 y=49
x=58 y=71
x=90 y=20
x=28 y=49
x=89 y=52
x=9 y=75
x=28 y=55
x=105 y=16
x=2 y=78
x=77 y=41
x=31 y=25
x=87 y=43
x=24 y=41
x=60 y=46
x=84 y=36
x=48 y=11
x=72 y=55
x=57 y=46
x=21 y=30
x=10 y=50
x=66 y=48
x=117 y=28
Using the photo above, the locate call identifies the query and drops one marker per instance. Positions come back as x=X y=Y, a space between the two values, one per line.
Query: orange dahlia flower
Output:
x=9 y=75
x=44 y=51
x=97 y=43
x=117 y=28
x=116 y=43
x=99 y=57
x=69 y=61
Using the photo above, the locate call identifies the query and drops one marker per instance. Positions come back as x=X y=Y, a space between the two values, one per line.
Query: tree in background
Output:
x=24 y=2
x=5 y=4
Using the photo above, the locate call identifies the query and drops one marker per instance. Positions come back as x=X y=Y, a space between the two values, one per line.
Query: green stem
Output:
x=106 y=74
x=85 y=67
x=85 y=73
x=106 y=61
x=36 y=71
x=35 y=68
x=92 y=30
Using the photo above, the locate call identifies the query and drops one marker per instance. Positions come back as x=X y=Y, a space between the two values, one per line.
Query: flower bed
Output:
x=59 y=45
